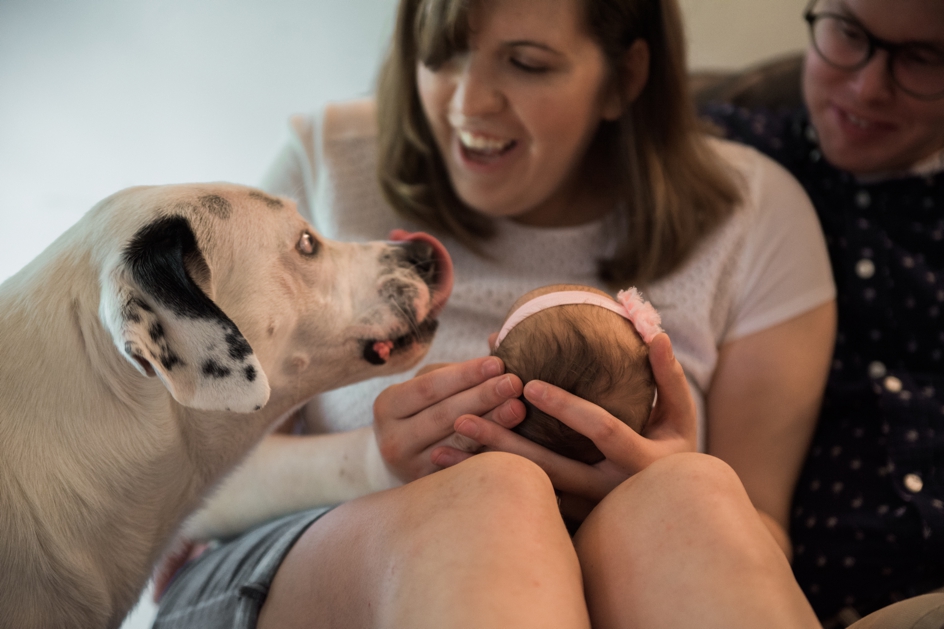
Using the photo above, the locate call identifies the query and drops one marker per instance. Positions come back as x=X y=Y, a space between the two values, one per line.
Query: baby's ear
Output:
x=491 y=341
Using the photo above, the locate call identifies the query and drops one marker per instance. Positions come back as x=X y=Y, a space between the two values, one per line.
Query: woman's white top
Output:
x=766 y=264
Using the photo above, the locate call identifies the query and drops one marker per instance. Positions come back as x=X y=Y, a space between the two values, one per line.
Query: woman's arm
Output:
x=762 y=407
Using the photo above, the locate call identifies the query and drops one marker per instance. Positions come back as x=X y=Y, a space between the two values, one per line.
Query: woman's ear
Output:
x=635 y=73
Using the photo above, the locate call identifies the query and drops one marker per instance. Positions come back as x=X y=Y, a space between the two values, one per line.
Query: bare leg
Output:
x=477 y=545
x=681 y=545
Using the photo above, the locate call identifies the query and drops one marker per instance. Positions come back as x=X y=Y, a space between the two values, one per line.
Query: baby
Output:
x=585 y=342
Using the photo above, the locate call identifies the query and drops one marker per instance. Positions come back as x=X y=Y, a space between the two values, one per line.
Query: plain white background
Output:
x=99 y=95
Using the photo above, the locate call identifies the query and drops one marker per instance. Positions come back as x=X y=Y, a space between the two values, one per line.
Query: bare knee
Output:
x=498 y=475
x=691 y=477
x=693 y=492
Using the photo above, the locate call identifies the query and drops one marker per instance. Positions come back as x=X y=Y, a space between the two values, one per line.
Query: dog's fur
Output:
x=214 y=290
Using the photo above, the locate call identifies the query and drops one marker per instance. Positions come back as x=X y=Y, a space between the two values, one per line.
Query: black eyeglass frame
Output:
x=874 y=43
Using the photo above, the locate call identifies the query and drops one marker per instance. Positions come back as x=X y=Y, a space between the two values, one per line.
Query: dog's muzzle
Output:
x=428 y=258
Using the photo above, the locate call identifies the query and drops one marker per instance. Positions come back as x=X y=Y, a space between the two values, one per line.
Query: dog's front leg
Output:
x=289 y=473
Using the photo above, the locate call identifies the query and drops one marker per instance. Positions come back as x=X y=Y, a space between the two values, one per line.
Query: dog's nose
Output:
x=421 y=256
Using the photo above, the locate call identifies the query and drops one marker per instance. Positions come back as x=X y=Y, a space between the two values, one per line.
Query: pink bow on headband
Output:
x=631 y=306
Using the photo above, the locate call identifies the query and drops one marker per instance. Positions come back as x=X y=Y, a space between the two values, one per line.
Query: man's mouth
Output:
x=858 y=122
x=378 y=352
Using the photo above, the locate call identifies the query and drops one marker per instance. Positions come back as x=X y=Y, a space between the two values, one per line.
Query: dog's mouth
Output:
x=378 y=352
x=431 y=262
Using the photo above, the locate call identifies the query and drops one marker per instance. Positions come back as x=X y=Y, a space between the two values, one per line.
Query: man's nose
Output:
x=873 y=81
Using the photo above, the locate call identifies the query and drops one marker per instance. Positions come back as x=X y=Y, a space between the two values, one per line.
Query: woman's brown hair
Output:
x=671 y=188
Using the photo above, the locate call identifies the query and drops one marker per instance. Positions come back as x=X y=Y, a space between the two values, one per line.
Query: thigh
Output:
x=479 y=545
x=681 y=545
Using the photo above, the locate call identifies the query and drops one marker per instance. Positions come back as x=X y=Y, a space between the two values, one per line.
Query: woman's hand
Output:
x=415 y=418
x=672 y=428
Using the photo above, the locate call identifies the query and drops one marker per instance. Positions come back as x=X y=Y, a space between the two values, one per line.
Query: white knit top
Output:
x=766 y=264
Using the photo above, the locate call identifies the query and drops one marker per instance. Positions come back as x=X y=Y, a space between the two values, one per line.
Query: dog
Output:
x=148 y=349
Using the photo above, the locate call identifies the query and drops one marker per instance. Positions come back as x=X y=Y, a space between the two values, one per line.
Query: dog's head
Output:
x=224 y=292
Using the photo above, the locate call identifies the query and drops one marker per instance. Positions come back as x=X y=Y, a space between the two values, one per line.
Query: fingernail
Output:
x=467 y=428
x=505 y=387
x=439 y=457
x=536 y=390
x=492 y=367
x=509 y=414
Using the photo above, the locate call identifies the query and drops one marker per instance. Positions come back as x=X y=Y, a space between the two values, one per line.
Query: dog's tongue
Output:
x=383 y=349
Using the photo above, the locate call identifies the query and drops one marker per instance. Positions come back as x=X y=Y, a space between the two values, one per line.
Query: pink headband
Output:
x=631 y=306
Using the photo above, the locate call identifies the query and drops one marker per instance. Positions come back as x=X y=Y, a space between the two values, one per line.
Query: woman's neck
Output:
x=585 y=197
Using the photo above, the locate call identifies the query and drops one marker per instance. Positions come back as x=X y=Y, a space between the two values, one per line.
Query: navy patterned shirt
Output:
x=868 y=515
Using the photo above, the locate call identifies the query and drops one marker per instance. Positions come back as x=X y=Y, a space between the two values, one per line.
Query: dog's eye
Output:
x=307 y=244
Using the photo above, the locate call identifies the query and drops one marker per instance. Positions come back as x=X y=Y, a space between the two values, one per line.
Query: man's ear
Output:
x=624 y=91
x=164 y=324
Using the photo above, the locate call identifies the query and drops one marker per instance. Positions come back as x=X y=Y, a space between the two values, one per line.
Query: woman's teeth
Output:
x=483 y=144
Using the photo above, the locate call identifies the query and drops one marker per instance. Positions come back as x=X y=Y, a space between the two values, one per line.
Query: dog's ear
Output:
x=165 y=325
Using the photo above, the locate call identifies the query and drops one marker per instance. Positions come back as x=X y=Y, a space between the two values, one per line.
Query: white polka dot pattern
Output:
x=868 y=520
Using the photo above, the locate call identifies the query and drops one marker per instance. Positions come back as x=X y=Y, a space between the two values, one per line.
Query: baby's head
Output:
x=567 y=335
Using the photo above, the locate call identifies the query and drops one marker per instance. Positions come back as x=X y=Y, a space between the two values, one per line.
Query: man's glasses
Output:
x=916 y=68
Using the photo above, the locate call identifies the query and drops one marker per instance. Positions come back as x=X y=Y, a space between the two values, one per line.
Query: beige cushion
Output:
x=920 y=612
x=771 y=84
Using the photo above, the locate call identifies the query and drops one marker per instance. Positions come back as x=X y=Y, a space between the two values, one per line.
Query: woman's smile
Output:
x=514 y=114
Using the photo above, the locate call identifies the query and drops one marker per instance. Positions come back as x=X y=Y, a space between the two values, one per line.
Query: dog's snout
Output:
x=421 y=257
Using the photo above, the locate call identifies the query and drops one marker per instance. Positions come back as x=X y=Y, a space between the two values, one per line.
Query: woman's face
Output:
x=866 y=124
x=513 y=116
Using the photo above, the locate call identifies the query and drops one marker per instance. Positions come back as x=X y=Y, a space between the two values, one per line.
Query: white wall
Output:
x=97 y=95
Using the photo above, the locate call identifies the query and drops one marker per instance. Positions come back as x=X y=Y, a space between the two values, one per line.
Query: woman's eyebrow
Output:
x=528 y=43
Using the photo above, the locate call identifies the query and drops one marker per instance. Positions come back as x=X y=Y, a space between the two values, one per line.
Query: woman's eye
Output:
x=307 y=244
x=532 y=68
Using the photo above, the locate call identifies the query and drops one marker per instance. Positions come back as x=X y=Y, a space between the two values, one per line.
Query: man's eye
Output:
x=852 y=34
x=307 y=244
x=920 y=56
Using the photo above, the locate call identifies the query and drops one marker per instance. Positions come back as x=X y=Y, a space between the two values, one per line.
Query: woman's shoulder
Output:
x=351 y=119
x=337 y=121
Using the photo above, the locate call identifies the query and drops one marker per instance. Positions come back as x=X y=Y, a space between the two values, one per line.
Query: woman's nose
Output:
x=873 y=81
x=477 y=93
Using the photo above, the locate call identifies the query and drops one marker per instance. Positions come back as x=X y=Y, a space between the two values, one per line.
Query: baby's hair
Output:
x=590 y=352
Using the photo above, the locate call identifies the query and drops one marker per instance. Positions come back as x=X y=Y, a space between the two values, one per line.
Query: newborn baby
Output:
x=585 y=342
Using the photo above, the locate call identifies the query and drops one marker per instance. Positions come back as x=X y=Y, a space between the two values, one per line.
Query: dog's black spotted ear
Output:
x=165 y=325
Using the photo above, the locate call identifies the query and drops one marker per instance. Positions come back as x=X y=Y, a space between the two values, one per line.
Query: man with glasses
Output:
x=868 y=146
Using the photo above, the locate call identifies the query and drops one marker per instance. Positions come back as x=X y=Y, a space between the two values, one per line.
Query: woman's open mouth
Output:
x=482 y=149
